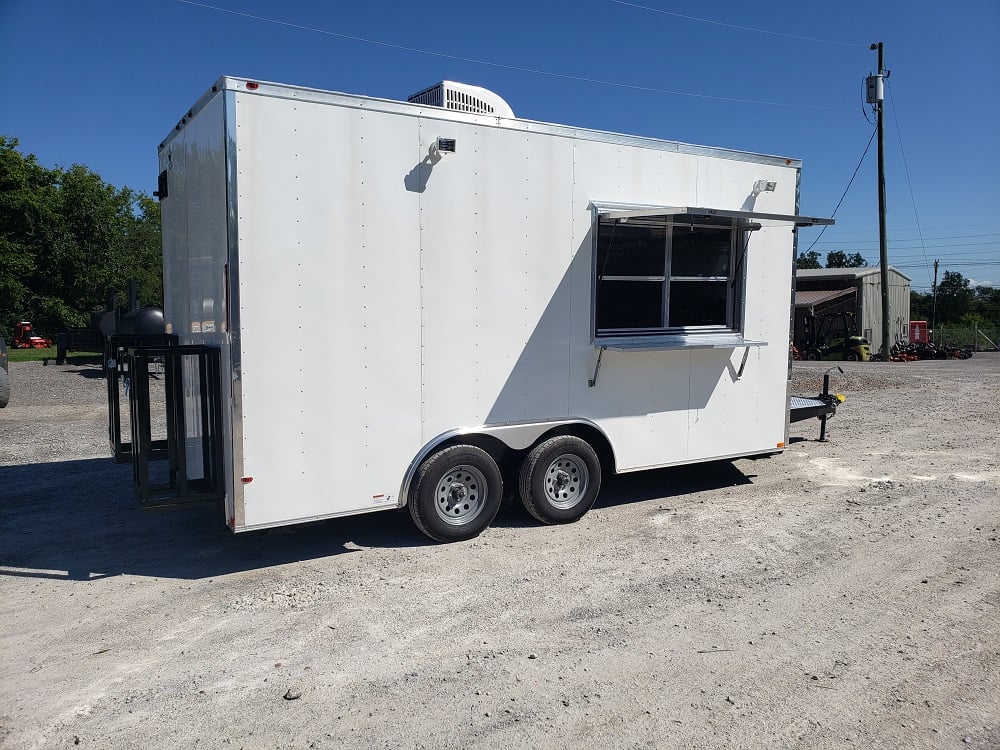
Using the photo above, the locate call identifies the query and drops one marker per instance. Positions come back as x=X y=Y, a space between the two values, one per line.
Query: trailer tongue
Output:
x=822 y=406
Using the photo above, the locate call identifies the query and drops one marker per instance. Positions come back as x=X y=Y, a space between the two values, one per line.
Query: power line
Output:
x=867 y=233
x=955 y=262
x=906 y=171
x=741 y=28
x=962 y=263
x=963 y=225
x=919 y=247
x=505 y=66
x=912 y=239
x=960 y=252
x=851 y=182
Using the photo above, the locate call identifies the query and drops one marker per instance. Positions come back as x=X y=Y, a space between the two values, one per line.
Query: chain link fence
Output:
x=984 y=338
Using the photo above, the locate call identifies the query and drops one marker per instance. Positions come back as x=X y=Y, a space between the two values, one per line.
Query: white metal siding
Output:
x=195 y=253
x=387 y=296
x=506 y=294
x=871 y=308
x=329 y=307
x=495 y=243
x=664 y=407
x=194 y=223
x=899 y=306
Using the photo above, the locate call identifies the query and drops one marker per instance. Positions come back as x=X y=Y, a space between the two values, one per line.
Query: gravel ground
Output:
x=842 y=594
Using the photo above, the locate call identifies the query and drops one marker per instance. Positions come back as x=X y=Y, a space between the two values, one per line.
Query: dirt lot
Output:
x=843 y=594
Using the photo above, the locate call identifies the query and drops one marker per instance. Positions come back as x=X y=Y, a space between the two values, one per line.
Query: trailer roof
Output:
x=302 y=93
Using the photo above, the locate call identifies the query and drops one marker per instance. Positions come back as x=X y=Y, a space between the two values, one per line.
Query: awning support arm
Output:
x=743 y=364
x=593 y=381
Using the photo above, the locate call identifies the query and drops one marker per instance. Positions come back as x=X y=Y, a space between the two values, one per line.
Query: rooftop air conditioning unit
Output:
x=462 y=97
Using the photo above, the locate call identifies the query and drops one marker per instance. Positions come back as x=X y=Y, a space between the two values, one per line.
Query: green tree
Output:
x=986 y=304
x=921 y=306
x=840 y=259
x=28 y=201
x=144 y=255
x=954 y=297
x=808 y=259
x=67 y=240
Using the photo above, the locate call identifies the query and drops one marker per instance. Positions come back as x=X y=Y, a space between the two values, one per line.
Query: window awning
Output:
x=685 y=214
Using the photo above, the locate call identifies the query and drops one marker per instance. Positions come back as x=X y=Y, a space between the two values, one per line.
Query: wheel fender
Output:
x=517 y=437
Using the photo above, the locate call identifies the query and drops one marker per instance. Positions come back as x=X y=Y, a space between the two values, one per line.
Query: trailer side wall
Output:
x=387 y=294
x=329 y=307
x=195 y=256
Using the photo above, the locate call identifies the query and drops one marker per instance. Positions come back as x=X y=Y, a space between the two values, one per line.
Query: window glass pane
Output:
x=624 y=250
x=629 y=304
x=700 y=251
x=697 y=303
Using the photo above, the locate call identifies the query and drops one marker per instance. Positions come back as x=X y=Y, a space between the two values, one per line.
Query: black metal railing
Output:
x=193 y=415
x=118 y=378
x=175 y=416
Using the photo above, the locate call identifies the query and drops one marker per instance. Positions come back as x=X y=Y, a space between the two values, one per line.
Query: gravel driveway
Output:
x=842 y=594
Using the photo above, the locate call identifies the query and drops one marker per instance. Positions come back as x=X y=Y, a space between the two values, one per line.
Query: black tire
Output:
x=812 y=356
x=852 y=357
x=456 y=494
x=4 y=387
x=560 y=479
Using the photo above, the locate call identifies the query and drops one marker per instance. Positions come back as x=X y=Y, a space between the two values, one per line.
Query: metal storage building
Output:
x=857 y=290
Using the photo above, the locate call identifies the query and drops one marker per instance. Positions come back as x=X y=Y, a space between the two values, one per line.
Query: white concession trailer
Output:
x=373 y=304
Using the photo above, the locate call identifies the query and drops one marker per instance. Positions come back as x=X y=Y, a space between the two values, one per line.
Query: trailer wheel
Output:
x=4 y=387
x=560 y=479
x=456 y=494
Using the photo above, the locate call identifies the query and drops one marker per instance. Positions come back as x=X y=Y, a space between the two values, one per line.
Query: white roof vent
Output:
x=461 y=97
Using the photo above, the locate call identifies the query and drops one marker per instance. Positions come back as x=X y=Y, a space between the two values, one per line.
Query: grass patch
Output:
x=38 y=355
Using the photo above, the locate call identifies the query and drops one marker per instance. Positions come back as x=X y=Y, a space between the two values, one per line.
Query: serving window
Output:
x=656 y=277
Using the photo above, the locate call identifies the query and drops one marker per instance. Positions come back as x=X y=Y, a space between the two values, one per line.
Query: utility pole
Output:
x=876 y=96
x=934 y=300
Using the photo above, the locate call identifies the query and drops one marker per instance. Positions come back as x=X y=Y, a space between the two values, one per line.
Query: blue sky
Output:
x=101 y=83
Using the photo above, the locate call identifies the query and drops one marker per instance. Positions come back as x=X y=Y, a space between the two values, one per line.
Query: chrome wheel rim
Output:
x=461 y=495
x=566 y=481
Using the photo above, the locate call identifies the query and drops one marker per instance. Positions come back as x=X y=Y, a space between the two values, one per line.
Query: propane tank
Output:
x=143 y=320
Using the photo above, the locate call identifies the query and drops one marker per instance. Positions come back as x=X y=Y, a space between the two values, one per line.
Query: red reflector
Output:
x=246 y=480
x=252 y=85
